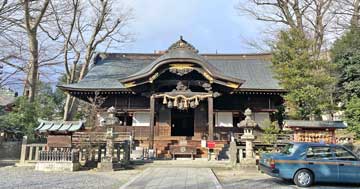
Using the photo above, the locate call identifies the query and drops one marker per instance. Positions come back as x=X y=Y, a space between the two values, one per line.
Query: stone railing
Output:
x=58 y=161
x=69 y=156
x=30 y=152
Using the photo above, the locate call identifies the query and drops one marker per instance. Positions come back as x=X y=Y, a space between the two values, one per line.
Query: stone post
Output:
x=233 y=153
x=23 y=150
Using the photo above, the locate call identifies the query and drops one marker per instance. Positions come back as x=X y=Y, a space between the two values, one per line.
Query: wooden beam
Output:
x=211 y=118
x=152 y=114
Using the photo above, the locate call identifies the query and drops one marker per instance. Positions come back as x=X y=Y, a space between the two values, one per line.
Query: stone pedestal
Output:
x=106 y=163
x=249 y=150
x=57 y=166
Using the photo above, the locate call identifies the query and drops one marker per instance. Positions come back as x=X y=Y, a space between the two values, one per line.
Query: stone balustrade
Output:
x=70 y=156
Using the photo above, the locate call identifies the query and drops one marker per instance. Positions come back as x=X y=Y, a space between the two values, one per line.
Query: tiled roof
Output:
x=314 y=124
x=106 y=72
x=109 y=69
x=59 y=126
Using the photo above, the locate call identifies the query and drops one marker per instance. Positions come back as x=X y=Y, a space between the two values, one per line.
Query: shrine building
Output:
x=179 y=95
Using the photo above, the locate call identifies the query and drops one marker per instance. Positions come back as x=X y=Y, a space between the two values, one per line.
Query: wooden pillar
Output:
x=152 y=115
x=211 y=118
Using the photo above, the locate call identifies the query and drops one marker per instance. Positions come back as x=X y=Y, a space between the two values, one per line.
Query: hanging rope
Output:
x=181 y=101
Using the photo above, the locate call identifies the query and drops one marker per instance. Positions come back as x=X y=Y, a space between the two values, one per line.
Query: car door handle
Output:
x=311 y=163
x=341 y=164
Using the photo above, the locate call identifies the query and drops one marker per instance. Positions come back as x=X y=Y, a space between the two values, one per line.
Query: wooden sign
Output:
x=59 y=141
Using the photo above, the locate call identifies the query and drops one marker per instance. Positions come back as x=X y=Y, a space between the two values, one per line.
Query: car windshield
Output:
x=288 y=149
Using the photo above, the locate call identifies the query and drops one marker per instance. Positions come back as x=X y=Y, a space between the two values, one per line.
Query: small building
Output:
x=7 y=100
x=10 y=134
x=59 y=133
x=180 y=96
x=314 y=131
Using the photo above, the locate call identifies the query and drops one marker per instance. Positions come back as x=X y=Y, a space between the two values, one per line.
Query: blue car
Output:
x=307 y=163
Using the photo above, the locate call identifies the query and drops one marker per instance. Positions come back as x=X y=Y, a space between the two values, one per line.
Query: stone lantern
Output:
x=111 y=119
x=248 y=125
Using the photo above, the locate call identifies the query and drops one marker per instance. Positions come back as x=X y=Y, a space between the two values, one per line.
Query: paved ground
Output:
x=28 y=178
x=252 y=179
x=156 y=175
x=177 y=178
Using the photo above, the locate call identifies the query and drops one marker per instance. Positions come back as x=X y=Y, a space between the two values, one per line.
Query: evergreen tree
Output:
x=306 y=78
x=352 y=116
x=24 y=115
x=346 y=55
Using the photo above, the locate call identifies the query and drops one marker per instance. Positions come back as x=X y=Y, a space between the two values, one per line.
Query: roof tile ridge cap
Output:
x=103 y=56
x=196 y=55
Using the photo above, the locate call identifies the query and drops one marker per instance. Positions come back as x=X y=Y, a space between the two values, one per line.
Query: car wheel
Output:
x=304 y=178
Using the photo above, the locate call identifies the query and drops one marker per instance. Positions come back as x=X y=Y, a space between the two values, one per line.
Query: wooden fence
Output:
x=79 y=138
x=280 y=139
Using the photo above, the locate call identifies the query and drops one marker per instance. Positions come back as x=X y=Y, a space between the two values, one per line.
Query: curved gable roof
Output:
x=180 y=52
x=108 y=68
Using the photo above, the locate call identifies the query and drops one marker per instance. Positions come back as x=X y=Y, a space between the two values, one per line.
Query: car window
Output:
x=288 y=149
x=318 y=152
x=342 y=154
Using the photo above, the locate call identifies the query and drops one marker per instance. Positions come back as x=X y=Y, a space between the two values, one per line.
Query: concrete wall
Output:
x=10 y=150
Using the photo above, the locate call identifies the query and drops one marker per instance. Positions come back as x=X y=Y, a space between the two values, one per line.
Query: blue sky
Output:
x=210 y=25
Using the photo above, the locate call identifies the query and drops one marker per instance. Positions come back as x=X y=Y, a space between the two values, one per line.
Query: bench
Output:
x=182 y=150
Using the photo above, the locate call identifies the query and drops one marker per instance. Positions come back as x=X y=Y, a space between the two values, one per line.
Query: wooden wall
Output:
x=162 y=128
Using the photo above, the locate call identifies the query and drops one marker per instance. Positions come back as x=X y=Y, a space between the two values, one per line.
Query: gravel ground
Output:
x=27 y=177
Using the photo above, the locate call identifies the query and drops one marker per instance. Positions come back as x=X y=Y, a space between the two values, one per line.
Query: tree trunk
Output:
x=355 y=19
x=33 y=66
x=67 y=108
x=86 y=64
x=71 y=105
